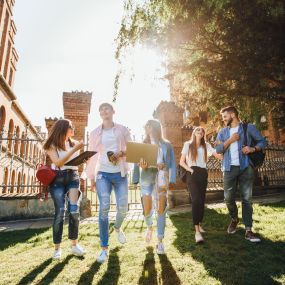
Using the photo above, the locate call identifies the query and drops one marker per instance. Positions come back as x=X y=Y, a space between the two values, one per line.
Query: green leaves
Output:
x=218 y=51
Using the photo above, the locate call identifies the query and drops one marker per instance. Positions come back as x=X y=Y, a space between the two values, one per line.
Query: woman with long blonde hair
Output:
x=194 y=157
x=154 y=182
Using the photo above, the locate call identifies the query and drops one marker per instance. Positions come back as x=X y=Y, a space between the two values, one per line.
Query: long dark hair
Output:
x=193 y=151
x=57 y=135
x=157 y=132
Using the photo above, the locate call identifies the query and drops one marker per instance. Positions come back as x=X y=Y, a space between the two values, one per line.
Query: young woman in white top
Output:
x=61 y=148
x=194 y=157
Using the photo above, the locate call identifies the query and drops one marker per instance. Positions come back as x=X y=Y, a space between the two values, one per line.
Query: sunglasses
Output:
x=71 y=127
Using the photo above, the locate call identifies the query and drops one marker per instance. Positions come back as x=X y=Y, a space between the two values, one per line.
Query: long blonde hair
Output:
x=193 y=151
x=156 y=131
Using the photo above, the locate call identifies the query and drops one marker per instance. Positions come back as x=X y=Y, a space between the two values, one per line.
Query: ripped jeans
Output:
x=65 y=181
x=104 y=183
x=151 y=187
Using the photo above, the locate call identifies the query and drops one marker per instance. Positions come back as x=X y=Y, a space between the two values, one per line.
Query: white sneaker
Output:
x=103 y=256
x=78 y=250
x=160 y=248
x=148 y=235
x=57 y=254
x=121 y=236
x=198 y=237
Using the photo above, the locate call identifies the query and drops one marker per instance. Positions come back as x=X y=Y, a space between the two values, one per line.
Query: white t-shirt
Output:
x=234 y=148
x=109 y=143
x=61 y=153
x=200 y=160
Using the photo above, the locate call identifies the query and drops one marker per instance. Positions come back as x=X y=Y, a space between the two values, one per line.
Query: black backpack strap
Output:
x=244 y=126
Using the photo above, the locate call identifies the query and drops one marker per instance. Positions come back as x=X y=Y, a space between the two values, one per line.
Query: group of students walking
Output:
x=108 y=170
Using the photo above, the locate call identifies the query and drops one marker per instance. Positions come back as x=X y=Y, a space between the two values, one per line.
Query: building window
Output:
x=22 y=150
x=10 y=134
x=13 y=181
x=2 y=118
x=6 y=176
x=19 y=183
x=16 y=145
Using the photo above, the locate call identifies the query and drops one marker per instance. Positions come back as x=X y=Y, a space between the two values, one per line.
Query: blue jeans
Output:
x=147 y=190
x=104 y=183
x=244 y=180
x=65 y=181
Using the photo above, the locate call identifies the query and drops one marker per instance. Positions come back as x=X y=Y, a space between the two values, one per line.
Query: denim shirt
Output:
x=252 y=134
x=148 y=174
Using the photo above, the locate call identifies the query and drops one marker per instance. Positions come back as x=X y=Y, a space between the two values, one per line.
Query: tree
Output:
x=218 y=51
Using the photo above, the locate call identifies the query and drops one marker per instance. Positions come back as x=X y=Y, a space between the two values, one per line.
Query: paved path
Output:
x=134 y=215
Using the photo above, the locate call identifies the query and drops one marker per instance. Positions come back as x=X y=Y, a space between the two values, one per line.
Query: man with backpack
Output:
x=237 y=166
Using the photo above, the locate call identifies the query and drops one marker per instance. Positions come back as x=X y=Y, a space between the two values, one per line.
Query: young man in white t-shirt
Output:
x=108 y=169
x=237 y=168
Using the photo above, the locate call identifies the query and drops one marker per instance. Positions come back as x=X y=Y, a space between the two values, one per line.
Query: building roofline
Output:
x=21 y=113
x=8 y=91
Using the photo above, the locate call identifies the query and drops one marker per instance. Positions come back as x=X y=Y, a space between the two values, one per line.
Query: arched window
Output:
x=6 y=176
x=10 y=134
x=22 y=145
x=27 y=150
x=34 y=154
x=28 y=185
x=13 y=181
x=31 y=151
x=19 y=183
x=32 y=184
x=2 y=118
x=24 y=183
x=16 y=145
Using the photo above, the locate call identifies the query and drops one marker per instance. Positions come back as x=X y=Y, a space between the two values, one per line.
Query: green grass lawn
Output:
x=222 y=259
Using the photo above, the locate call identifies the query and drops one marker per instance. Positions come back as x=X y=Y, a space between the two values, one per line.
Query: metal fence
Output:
x=19 y=155
x=272 y=172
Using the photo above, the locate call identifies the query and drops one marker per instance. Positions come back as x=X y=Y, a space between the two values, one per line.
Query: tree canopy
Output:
x=218 y=51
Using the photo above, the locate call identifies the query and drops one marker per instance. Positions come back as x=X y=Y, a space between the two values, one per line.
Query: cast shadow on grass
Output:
x=230 y=258
x=149 y=273
x=12 y=238
x=34 y=273
x=168 y=274
x=111 y=275
x=52 y=273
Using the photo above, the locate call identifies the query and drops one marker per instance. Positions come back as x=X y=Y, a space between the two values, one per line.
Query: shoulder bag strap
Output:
x=244 y=126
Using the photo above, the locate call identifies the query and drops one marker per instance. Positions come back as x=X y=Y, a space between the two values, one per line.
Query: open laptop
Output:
x=136 y=151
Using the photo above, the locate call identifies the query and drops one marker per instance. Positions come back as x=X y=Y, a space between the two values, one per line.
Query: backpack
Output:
x=256 y=158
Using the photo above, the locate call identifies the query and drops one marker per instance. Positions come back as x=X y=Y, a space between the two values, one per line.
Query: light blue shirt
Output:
x=252 y=135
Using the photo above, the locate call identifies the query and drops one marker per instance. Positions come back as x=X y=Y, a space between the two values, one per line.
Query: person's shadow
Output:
x=51 y=275
x=168 y=274
x=111 y=275
x=149 y=273
x=230 y=258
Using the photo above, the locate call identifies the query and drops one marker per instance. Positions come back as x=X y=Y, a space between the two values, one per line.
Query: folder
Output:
x=81 y=158
x=136 y=151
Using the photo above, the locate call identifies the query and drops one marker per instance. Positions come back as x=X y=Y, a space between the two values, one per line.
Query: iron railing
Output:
x=19 y=155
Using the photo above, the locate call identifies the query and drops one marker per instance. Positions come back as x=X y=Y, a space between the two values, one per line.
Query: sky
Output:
x=69 y=45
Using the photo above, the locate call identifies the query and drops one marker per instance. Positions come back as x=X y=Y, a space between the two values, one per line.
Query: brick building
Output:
x=20 y=141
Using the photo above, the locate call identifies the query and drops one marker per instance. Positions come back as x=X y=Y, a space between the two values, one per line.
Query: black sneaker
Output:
x=233 y=226
x=249 y=235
